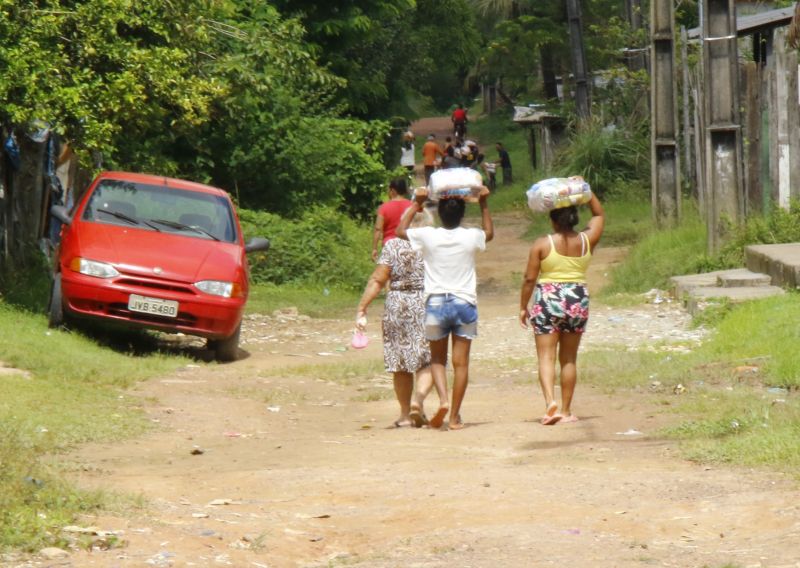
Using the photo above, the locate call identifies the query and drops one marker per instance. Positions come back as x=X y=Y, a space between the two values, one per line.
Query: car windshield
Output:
x=162 y=208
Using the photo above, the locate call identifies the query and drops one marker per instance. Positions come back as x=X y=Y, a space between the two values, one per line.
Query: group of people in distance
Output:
x=432 y=300
x=457 y=152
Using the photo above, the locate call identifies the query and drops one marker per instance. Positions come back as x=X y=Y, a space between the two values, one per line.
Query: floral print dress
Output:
x=405 y=348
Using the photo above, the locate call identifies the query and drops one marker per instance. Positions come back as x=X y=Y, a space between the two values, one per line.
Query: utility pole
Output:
x=723 y=133
x=664 y=168
x=579 y=69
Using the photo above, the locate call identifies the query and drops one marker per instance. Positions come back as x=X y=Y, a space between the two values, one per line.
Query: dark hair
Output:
x=399 y=185
x=451 y=211
x=565 y=218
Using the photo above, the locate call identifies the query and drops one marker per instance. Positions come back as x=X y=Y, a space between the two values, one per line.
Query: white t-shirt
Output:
x=407 y=156
x=449 y=257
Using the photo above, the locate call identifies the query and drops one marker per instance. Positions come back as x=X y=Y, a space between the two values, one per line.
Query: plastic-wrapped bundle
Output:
x=463 y=183
x=555 y=193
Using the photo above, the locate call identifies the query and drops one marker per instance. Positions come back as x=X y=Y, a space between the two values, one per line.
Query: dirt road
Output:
x=286 y=459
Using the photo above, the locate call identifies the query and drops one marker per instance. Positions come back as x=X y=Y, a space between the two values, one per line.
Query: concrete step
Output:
x=732 y=278
x=781 y=262
x=702 y=297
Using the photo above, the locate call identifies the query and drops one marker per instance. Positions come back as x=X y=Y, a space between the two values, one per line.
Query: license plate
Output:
x=154 y=306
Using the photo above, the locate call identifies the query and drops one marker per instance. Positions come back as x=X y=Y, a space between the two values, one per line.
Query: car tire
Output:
x=55 y=310
x=227 y=350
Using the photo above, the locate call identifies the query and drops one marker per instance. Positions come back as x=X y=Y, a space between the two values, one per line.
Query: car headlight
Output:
x=93 y=268
x=216 y=287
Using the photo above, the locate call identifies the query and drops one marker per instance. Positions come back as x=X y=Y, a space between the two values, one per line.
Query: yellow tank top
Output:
x=559 y=268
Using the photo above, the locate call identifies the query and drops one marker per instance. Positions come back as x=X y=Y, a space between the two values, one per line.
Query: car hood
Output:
x=142 y=252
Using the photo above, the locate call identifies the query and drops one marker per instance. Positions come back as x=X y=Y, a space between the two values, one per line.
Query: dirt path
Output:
x=297 y=453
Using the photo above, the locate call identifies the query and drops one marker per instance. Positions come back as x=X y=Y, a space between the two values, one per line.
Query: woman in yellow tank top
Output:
x=556 y=269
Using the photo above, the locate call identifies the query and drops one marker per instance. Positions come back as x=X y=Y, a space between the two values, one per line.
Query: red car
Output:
x=154 y=252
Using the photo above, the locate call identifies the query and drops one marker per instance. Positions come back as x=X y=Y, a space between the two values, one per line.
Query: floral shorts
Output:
x=560 y=307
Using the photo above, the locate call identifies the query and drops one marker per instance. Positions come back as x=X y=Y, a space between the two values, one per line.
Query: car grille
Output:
x=156 y=285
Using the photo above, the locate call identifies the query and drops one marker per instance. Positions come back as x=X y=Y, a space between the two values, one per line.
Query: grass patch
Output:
x=72 y=395
x=741 y=403
x=659 y=256
x=315 y=300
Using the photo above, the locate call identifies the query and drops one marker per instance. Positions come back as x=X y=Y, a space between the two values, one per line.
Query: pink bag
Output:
x=359 y=341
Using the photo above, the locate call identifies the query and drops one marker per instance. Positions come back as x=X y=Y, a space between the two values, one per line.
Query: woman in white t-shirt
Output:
x=448 y=254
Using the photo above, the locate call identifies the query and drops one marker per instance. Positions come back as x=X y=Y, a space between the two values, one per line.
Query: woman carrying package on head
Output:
x=556 y=268
x=448 y=253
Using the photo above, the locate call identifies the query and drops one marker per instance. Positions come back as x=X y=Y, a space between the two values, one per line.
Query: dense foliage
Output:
x=321 y=247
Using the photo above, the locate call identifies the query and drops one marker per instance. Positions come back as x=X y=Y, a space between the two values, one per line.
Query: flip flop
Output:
x=399 y=424
x=550 y=420
x=418 y=419
x=438 y=418
x=570 y=418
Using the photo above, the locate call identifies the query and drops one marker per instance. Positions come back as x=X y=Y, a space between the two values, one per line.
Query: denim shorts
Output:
x=446 y=314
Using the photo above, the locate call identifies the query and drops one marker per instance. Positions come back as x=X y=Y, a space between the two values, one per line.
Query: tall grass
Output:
x=658 y=256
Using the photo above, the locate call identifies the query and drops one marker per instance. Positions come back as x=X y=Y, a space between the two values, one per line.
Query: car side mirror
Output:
x=257 y=244
x=61 y=213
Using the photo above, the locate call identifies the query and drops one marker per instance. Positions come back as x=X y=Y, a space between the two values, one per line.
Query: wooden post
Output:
x=723 y=131
x=751 y=121
x=665 y=165
x=579 y=68
x=688 y=132
x=784 y=122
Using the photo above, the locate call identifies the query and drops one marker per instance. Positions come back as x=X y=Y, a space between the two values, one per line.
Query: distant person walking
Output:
x=430 y=152
x=405 y=351
x=505 y=163
x=407 y=157
x=556 y=269
x=389 y=213
x=448 y=253
x=459 y=120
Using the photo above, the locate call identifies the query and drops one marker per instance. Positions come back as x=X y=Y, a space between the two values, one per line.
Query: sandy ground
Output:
x=287 y=458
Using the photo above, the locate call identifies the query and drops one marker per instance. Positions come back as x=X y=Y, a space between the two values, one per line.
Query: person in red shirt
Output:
x=459 y=119
x=430 y=151
x=389 y=214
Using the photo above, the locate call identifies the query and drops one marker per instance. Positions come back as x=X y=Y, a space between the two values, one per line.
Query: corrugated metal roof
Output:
x=746 y=25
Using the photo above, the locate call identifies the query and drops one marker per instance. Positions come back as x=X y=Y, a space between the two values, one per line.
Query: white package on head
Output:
x=555 y=193
x=464 y=183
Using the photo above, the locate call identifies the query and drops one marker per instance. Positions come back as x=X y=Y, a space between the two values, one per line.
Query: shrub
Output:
x=606 y=156
x=778 y=226
x=322 y=246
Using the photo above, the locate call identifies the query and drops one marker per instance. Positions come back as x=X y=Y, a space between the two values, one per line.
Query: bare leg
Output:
x=403 y=387
x=423 y=388
x=546 y=349
x=439 y=371
x=567 y=356
x=461 y=347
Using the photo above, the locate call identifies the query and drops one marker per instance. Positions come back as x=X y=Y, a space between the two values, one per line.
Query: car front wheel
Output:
x=55 y=310
x=226 y=350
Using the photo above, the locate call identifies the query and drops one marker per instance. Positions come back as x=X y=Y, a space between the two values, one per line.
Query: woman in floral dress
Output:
x=556 y=269
x=405 y=349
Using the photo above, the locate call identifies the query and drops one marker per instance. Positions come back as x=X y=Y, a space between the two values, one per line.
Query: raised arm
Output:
x=594 y=229
x=486 y=218
x=418 y=204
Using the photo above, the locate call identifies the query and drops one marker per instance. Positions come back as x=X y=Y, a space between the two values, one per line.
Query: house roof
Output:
x=747 y=25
